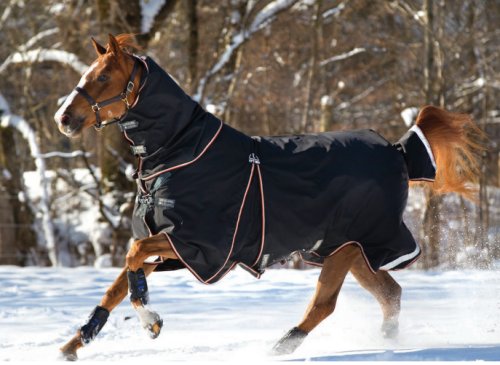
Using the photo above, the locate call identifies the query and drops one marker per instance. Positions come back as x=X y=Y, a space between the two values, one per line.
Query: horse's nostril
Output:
x=65 y=119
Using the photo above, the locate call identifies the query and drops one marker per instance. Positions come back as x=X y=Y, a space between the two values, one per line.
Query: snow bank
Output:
x=445 y=316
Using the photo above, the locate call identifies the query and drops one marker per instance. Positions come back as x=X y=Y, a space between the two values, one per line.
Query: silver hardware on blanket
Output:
x=146 y=203
x=145 y=199
x=138 y=150
x=253 y=159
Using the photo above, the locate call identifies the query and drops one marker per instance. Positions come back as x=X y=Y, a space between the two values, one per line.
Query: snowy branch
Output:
x=261 y=20
x=334 y=11
x=149 y=10
x=268 y=13
x=33 y=40
x=64 y=154
x=45 y=55
x=342 y=56
x=6 y=13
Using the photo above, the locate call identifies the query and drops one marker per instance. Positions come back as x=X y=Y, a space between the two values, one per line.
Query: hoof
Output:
x=390 y=328
x=289 y=342
x=150 y=321
x=68 y=351
x=155 y=329
x=68 y=356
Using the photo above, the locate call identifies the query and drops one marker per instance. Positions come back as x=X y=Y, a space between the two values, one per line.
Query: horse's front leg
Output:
x=113 y=296
x=157 y=245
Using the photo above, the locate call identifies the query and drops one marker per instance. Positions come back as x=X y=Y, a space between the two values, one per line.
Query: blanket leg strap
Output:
x=94 y=325
x=289 y=342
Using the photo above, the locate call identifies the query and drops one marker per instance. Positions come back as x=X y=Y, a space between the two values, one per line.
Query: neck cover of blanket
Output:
x=222 y=198
x=165 y=127
x=418 y=155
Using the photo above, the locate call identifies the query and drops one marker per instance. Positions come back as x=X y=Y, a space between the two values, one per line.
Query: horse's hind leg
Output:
x=385 y=289
x=113 y=296
x=330 y=281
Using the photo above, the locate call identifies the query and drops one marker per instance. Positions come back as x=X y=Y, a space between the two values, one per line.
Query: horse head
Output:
x=105 y=91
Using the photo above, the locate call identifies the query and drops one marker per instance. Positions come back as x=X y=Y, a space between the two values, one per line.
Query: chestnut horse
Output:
x=111 y=89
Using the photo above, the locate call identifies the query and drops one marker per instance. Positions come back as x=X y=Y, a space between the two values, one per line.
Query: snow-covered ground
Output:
x=452 y=315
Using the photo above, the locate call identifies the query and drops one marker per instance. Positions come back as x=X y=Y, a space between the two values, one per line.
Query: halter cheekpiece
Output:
x=97 y=106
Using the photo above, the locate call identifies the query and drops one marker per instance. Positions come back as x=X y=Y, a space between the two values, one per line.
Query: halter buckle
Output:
x=130 y=87
x=123 y=97
x=95 y=107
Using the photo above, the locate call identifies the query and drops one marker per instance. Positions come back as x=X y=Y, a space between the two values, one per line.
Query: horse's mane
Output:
x=126 y=40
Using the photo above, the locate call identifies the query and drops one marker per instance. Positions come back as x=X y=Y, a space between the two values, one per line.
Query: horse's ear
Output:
x=114 y=46
x=98 y=48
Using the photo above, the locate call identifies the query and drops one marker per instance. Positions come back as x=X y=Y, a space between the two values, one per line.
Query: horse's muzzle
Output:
x=69 y=125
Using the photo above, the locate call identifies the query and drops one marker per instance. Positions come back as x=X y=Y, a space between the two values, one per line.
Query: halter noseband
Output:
x=96 y=106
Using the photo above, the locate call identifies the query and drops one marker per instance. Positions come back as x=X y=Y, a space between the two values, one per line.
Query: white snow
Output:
x=326 y=100
x=149 y=10
x=334 y=11
x=445 y=316
x=4 y=106
x=409 y=115
x=480 y=82
x=6 y=174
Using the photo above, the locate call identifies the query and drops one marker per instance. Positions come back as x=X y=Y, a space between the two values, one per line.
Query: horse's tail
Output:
x=456 y=143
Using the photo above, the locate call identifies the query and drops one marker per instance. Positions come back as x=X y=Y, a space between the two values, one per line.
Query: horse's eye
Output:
x=102 y=78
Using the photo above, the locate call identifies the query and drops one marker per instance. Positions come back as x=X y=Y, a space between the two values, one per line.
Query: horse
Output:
x=210 y=197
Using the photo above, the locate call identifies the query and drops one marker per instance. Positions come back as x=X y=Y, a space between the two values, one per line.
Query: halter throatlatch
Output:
x=97 y=106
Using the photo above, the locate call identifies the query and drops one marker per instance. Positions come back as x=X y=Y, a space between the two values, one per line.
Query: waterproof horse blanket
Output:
x=223 y=198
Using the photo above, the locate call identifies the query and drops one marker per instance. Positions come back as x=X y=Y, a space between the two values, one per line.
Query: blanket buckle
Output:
x=253 y=159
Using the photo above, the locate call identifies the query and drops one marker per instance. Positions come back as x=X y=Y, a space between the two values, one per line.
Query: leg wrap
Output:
x=96 y=321
x=138 y=286
x=289 y=342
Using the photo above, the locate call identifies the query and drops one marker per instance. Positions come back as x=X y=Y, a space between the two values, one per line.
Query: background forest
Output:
x=265 y=67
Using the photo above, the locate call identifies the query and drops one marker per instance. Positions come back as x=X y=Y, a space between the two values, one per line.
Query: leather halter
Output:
x=97 y=106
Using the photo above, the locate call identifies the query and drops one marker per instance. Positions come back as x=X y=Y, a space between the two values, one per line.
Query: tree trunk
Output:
x=431 y=223
x=8 y=249
x=192 y=17
x=17 y=238
x=308 y=124
x=485 y=247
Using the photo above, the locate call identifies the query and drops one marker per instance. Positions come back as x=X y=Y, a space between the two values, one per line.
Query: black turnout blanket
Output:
x=223 y=198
